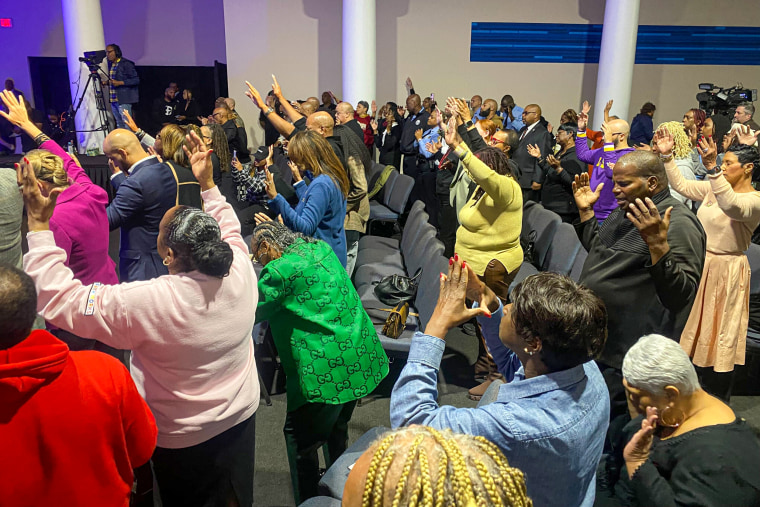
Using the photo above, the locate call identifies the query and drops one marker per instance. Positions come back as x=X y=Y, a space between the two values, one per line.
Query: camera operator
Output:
x=743 y=115
x=123 y=81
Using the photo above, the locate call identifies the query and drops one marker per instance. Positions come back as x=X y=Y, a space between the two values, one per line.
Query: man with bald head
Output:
x=344 y=115
x=644 y=261
x=532 y=134
x=475 y=103
x=145 y=189
x=603 y=159
x=488 y=111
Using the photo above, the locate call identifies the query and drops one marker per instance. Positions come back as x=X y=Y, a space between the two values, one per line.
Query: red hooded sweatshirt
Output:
x=72 y=426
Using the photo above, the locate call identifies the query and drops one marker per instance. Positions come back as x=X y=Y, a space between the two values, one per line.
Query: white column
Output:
x=359 y=69
x=83 y=30
x=616 y=58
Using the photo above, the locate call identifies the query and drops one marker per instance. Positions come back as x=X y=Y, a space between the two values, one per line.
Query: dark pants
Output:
x=216 y=472
x=531 y=195
x=615 y=440
x=448 y=223
x=308 y=428
x=426 y=188
x=76 y=343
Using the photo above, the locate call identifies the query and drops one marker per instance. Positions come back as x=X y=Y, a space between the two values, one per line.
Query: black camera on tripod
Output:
x=93 y=59
x=717 y=100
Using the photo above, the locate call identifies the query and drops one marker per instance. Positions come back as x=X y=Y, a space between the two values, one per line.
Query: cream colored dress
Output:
x=716 y=332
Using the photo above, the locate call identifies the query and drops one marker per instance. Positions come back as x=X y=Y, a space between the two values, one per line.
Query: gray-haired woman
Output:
x=691 y=448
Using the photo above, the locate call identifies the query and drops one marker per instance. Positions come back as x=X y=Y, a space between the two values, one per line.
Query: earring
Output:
x=165 y=262
x=529 y=352
x=670 y=419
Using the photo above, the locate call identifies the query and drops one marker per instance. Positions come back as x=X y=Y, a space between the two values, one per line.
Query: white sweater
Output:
x=190 y=334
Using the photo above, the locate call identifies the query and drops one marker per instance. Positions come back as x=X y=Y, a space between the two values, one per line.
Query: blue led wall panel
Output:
x=576 y=43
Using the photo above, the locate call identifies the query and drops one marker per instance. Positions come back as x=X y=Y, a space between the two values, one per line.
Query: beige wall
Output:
x=429 y=40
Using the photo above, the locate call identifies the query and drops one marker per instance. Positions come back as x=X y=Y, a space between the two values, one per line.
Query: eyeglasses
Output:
x=526 y=113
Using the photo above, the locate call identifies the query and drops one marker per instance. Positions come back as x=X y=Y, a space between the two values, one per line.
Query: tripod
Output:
x=100 y=103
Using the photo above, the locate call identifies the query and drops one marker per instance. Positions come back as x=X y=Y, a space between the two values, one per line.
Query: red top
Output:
x=72 y=426
x=369 y=137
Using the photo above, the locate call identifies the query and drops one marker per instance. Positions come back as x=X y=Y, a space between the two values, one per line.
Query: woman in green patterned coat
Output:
x=327 y=344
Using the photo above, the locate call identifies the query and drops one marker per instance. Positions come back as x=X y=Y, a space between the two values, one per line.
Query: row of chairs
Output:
x=390 y=202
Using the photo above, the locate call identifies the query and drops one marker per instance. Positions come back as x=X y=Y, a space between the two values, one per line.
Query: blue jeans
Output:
x=117 y=109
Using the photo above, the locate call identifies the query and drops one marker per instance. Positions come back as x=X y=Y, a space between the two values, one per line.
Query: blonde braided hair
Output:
x=48 y=167
x=682 y=147
x=419 y=466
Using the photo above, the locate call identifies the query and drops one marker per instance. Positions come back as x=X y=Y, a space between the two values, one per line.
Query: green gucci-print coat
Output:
x=327 y=344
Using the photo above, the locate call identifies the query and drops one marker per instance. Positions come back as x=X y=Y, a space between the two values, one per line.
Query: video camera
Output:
x=717 y=100
x=93 y=59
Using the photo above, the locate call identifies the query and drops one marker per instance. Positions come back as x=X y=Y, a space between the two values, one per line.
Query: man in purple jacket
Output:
x=615 y=146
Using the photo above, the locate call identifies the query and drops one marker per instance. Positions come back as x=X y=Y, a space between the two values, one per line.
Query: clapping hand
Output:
x=585 y=198
x=255 y=96
x=534 y=151
x=708 y=151
x=39 y=208
x=200 y=160
x=636 y=452
x=451 y=310
x=746 y=136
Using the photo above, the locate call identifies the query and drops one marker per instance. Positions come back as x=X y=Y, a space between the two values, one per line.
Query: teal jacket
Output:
x=327 y=343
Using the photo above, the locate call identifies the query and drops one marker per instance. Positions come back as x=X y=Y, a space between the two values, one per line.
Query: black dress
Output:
x=711 y=466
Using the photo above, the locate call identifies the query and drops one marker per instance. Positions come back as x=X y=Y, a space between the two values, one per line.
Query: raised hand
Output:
x=451 y=310
x=636 y=452
x=652 y=227
x=373 y=108
x=745 y=135
x=607 y=132
x=39 y=208
x=296 y=172
x=583 y=116
x=373 y=124
x=549 y=127
x=276 y=88
x=16 y=114
x=452 y=137
x=554 y=163
x=129 y=121
x=464 y=111
x=433 y=148
x=236 y=164
x=708 y=151
x=255 y=96
x=408 y=83
x=270 y=156
x=439 y=118
x=260 y=218
x=270 y=186
x=664 y=142
x=200 y=160
x=534 y=151
x=585 y=198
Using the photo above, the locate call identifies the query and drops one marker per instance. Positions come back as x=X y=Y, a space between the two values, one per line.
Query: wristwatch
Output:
x=268 y=111
x=468 y=124
x=715 y=170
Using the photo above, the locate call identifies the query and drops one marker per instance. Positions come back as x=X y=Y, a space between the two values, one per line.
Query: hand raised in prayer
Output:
x=129 y=121
x=534 y=150
x=270 y=186
x=373 y=108
x=549 y=127
x=585 y=198
x=408 y=83
x=607 y=130
x=452 y=137
x=554 y=163
x=607 y=110
x=39 y=208
x=433 y=148
x=708 y=151
x=636 y=452
x=652 y=227
x=663 y=141
x=276 y=88
x=17 y=113
x=451 y=310
x=200 y=160
x=255 y=96
x=583 y=116
x=746 y=135
x=373 y=124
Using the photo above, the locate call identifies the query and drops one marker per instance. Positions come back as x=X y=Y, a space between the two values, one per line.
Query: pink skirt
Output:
x=716 y=332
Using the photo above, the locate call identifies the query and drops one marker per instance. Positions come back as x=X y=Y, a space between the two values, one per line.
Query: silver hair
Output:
x=655 y=362
x=749 y=108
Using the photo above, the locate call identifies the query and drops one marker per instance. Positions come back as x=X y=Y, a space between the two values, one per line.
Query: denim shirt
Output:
x=552 y=427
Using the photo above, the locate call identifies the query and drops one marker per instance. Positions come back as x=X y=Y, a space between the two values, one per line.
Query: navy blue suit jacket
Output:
x=127 y=93
x=140 y=203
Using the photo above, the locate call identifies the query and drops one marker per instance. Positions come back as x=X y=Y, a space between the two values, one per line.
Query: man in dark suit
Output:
x=145 y=189
x=533 y=133
x=123 y=80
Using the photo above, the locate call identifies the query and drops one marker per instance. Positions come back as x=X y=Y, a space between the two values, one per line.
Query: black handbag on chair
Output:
x=393 y=290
